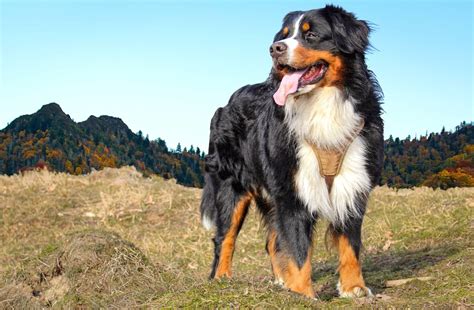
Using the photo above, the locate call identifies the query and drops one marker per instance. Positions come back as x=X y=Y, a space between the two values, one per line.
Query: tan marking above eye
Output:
x=285 y=31
x=305 y=27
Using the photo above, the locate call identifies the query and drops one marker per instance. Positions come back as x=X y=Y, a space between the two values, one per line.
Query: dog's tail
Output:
x=208 y=204
x=208 y=200
x=211 y=179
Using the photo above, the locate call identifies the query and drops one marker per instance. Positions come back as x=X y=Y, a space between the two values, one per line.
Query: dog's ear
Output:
x=350 y=34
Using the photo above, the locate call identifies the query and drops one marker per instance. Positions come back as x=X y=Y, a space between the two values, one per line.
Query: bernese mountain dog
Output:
x=305 y=144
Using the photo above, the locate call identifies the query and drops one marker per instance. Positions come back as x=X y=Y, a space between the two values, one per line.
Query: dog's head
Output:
x=311 y=48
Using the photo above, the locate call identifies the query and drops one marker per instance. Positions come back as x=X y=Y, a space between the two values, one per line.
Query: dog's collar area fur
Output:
x=330 y=160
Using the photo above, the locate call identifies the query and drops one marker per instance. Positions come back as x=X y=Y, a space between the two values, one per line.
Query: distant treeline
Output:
x=50 y=138
x=438 y=160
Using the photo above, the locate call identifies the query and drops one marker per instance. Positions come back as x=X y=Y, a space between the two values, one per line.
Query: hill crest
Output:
x=51 y=137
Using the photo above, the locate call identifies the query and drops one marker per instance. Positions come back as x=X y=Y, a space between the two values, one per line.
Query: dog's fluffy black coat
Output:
x=252 y=151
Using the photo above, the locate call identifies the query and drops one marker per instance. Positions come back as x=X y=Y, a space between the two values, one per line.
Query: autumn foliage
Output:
x=459 y=174
x=52 y=138
x=438 y=160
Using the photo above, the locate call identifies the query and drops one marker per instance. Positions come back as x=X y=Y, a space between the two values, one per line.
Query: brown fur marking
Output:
x=272 y=251
x=296 y=279
x=350 y=273
x=285 y=268
x=305 y=27
x=304 y=58
x=228 y=245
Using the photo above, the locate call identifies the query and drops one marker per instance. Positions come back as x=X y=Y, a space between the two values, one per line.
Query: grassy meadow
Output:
x=113 y=239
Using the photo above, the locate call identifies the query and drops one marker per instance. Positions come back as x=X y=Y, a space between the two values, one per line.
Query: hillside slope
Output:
x=115 y=239
x=50 y=137
x=438 y=160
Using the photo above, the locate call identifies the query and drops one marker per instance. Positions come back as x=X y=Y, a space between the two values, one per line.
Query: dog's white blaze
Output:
x=290 y=42
x=326 y=119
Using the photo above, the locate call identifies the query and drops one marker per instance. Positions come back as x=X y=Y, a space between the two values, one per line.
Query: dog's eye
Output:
x=310 y=35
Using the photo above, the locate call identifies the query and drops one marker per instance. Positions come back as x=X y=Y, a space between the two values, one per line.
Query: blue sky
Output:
x=165 y=66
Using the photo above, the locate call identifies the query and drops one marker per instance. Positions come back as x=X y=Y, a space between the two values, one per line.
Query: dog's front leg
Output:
x=348 y=242
x=289 y=247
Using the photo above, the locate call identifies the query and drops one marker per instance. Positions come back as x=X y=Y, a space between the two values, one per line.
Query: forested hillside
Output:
x=50 y=138
x=442 y=160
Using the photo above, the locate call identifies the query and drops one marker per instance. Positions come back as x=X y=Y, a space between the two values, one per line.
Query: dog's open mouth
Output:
x=309 y=75
x=295 y=79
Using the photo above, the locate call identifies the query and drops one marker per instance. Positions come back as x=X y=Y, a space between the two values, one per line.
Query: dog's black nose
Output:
x=277 y=49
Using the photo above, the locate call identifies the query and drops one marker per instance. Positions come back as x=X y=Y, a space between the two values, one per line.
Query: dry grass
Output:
x=115 y=239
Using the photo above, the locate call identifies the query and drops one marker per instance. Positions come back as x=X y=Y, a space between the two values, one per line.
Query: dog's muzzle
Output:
x=278 y=49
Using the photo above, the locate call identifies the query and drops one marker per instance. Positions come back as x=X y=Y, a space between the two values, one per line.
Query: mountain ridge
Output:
x=47 y=116
x=51 y=137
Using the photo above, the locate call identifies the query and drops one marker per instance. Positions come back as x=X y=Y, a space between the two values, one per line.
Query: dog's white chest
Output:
x=327 y=121
x=352 y=180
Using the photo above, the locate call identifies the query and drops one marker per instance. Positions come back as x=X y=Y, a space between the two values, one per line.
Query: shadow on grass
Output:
x=380 y=267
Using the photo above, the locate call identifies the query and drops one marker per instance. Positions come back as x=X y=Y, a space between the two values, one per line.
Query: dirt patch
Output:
x=18 y=296
x=85 y=268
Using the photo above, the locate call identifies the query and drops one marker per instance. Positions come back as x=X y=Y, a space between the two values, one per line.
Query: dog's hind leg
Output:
x=232 y=206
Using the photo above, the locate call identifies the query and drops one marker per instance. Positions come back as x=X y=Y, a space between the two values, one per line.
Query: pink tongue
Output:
x=288 y=85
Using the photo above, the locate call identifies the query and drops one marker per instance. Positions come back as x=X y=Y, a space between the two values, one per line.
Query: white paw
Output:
x=279 y=282
x=357 y=292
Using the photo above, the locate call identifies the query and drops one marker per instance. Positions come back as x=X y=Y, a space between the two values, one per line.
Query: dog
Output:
x=306 y=144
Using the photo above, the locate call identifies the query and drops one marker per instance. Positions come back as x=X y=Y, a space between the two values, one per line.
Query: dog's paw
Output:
x=356 y=292
x=308 y=293
x=279 y=282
